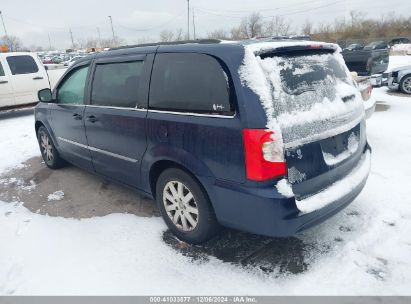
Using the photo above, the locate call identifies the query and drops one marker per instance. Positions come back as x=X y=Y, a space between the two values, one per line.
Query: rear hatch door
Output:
x=320 y=113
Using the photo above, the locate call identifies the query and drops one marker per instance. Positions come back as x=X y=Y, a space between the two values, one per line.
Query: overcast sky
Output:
x=34 y=20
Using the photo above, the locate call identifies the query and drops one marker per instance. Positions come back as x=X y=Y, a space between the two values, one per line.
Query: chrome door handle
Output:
x=77 y=116
x=91 y=118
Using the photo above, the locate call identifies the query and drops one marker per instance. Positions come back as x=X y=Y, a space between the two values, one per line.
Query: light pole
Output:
x=188 y=19
x=99 y=37
x=72 y=39
x=194 y=26
x=5 y=31
x=49 y=41
x=112 y=28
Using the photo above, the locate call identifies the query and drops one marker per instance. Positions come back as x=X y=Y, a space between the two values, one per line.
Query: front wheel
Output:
x=405 y=84
x=185 y=207
x=48 y=151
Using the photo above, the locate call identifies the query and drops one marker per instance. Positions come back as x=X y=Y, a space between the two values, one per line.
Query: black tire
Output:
x=206 y=225
x=54 y=161
x=402 y=83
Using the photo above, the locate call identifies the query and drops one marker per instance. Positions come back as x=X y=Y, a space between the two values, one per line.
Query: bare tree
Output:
x=88 y=43
x=13 y=42
x=113 y=42
x=356 y=17
x=254 y=25
x=178 y=34
x=237 y=33
x=277 y=26
x=166 y=36
x=307 y=28
x=143 y=40
x=218 y=34
x=250 y=27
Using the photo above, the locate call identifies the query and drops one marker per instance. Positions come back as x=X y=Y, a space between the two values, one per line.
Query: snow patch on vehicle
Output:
x=309 y=111
x=56 y=196
x=252 y=75
x=338 y=189
x=370 y=103
x=352 y=146
x=284 y=188
x=295 y=176
x=260 y=47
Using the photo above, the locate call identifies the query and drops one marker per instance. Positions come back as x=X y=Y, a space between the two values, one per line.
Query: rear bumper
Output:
x=369 y=107
x=392 y=83
x=264 y=211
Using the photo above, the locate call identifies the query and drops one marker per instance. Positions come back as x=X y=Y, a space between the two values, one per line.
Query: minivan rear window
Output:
x=189 y=83
x=304 y=80
x=24 y=64
x=308 y=94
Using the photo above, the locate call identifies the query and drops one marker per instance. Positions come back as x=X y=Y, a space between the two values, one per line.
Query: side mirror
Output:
x=45 y=95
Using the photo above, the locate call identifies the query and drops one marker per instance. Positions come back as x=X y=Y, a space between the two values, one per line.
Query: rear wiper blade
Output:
x=348 y=97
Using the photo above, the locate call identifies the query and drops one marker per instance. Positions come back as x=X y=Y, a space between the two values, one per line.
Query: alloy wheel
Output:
x=47 y=147
x=180 y=206
x=406 y=85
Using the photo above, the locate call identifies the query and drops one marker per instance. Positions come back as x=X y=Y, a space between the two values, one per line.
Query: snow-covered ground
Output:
x=369 y=242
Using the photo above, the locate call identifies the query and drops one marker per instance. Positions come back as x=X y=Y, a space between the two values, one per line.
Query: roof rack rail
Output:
x=199 y=41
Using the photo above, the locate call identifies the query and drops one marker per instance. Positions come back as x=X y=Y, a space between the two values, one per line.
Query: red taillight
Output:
x=316 y=46
x=264 y=158
x=369 y=89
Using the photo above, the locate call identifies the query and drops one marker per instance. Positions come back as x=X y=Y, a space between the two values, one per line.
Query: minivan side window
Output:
x=24 y=64
x=71 y=90
x=116 y=84
x=189 y=83
x=1 y=70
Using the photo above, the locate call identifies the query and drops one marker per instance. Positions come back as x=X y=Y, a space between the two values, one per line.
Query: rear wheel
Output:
x=48 y=151
x=405 y=84
x=185 y=207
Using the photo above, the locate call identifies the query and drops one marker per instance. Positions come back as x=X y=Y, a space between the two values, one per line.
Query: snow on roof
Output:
x=259 y=47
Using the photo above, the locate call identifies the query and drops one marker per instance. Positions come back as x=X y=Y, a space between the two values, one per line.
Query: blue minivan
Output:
x=264 y=137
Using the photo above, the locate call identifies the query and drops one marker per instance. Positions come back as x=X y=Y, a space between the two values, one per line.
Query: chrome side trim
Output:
x=113 y=154
x=192 y=114
x=98 y=150
x=69 y=104
x=72 y=142
x=117 y=108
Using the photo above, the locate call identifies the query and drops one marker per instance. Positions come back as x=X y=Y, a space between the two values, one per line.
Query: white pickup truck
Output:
x=22 y=75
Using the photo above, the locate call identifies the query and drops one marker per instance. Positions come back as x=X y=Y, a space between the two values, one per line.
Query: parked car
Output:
x=376 y=45
x=21 y=76
x=267 y=138
x=47 y=60
x=71 y=61
x=354 y=47
x=365 y=87
x=399 y=79
x=372 y=59
x=400 y=40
